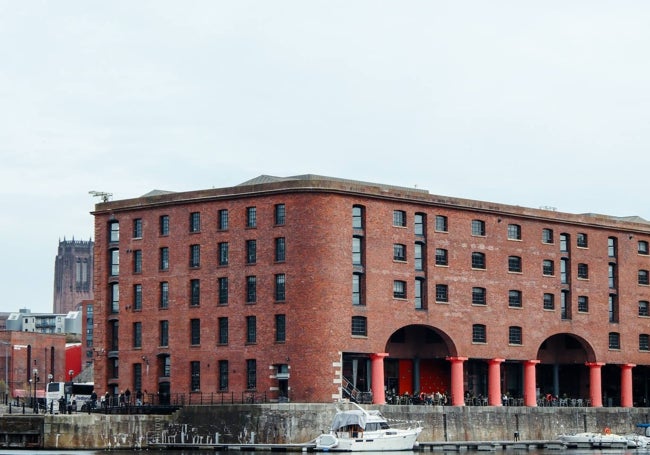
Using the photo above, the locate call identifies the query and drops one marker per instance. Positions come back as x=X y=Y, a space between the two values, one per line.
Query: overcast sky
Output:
x=518 y=102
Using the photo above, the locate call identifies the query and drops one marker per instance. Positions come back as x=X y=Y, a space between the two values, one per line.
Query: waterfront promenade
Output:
x=289 y=424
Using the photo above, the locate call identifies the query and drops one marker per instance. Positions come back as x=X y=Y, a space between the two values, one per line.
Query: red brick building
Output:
x=310 y=287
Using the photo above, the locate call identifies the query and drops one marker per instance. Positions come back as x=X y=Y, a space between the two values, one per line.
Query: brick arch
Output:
x=565 y=348
x=417 y=340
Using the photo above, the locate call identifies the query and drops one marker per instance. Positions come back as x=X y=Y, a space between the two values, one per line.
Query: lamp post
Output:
x=34 y=382
x=6 y=344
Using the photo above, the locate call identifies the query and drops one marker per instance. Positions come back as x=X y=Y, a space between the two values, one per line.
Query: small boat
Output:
x=603 y=440
x=360 y=430
x=640 y=439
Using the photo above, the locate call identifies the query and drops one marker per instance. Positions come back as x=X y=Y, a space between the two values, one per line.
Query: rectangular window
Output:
x=137 y=261
x=514 y=264
x=514 y=335
x=115 y=262
x=441 y=223
x=581 y=240
x=399 y=218
x=280 y=249
x=251 y=252
x=644 y=342
x=583 y=271
x=514 y=232
x=251 y=217
x=251 y=374
x=564 y=271
x=418 y=256
x=115 y=297
x=223 y=291
x=357 y=250
x=164 y=333
x=280 y=328
x=547 y=235
x=399 y=252
x=514 y=299
x=137 y=297
x=195 y=222
x=195 y=255
x=613 y=308
x=114 y=231
x=478 y=260
x=399 y=289
x=479 y=334
x=223 y=253
x=478 y=228
x=583 y=304
x=164 y=295
x=195 y=292
x=479 y=296
x=223 y=331
x=442 y=293
x=223 y=220
x=644 y=308
x=644 y=277
x=137 y=379
x=614 y=340
x=195 y=368
x=419 y=225
x=564 y=243
x=115 y=335
x=548 y=268
x=357 y=289
x=357 y=217
x=223 y=375
x=280 y=214
x=549 y=301
x=565 y=306
x=359 y=326
x=642 y=247
x=163 y=224
x=612 y=247
x=137 y=228
x=251 y=289
x=164 y=258
x=195 y=332
x=280 y=287
x=611 y=276
x=442 y=257
x=137 y=335
x=420 y=302
x=251 y=329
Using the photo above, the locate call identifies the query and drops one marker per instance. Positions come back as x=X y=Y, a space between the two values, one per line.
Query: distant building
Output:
x=26 y=321
x=73 y=275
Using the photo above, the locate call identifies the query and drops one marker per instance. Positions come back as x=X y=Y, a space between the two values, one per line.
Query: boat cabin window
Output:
x=376 y=426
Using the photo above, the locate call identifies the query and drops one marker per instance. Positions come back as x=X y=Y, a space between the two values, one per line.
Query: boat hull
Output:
x=380 y=441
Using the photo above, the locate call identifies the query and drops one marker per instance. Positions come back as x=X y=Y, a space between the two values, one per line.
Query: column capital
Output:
x=531 y=362
x=492 y=361
x=628 y=365
x=379 y=355
x=594 y=364
x=455 y=359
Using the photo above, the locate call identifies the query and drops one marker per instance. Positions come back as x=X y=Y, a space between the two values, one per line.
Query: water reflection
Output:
x=267 y=452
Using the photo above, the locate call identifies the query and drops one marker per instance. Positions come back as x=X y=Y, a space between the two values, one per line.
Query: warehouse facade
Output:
x=312 y=288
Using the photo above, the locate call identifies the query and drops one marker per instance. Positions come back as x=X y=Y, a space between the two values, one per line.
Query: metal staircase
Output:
x=355 y=395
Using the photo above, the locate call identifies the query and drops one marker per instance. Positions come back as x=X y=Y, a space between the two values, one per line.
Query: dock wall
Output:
x=301 y=423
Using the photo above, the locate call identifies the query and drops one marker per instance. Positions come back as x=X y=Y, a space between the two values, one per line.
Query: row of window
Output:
x=195 y=373
x=279 y=292
x=478 y=228
x=195 y=332
x=195 y=256
x=279 y=218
